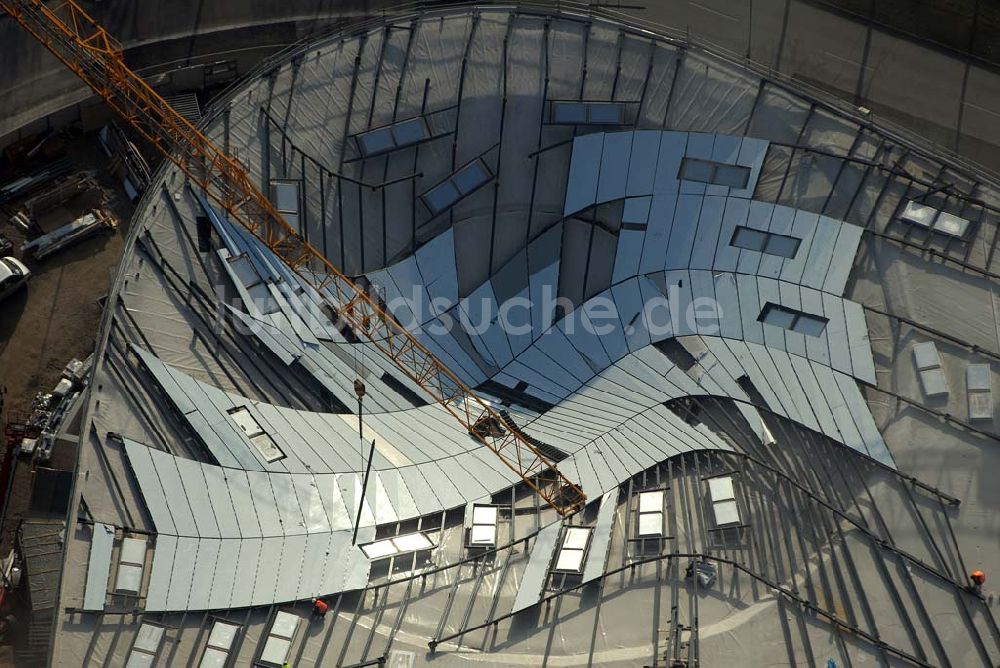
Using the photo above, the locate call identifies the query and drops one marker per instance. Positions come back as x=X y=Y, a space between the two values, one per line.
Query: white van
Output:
x=13 y=274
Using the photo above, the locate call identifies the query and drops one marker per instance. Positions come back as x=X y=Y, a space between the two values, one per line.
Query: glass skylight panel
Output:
x=925 y=355
x=726 y=512
x=245 y=420
x=779 y=317
x=484 y=515
x=484 y=526
x=140 y=660
x=574 y=547
x=650 y=513
x=285 y=196
x=715 y=173
x=129 y=578
x=569 y=112
x=398 y=135
x=732 y=176
x=809 y=325
x=721 y=489
x=133 y=551
x=285 y=624
x=605 y=113
x=979 y=384
x=749 y=238
x=470 y=177
x=570 y=560
x=573 y=112
x=390 y=547
x=376 y=141
x=697 y=170
x=934 y=219
x=458 y=185
x=765 y=242
x=723 y=497
x=441 y=196
x=131 y=559
x=222 y=635
x=410 y=131
x=145 y=647
x=576 y=538
x=919 y=214
x=779 y=244
x=650 y=524
x=276 y=650
x=951 y=224
x=483 y=534
x=412 y=542
x=379 y=549
x=148 y=638
x=797 y=321
x=260 y=439
x=220 y=641
x=213 y=658
x=650 y=501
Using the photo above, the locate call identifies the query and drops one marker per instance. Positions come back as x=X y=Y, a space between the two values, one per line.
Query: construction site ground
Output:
x=55 y=319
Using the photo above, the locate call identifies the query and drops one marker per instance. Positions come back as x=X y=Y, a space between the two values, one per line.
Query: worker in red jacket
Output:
x=320 y=607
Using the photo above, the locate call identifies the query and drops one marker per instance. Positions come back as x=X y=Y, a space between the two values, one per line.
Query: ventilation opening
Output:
x=675 y=351
x=402 y=390
x=747 y=386
x=686 y=408
x=508 y=396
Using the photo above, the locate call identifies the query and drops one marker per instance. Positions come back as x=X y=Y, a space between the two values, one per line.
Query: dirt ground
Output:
x=55 y=319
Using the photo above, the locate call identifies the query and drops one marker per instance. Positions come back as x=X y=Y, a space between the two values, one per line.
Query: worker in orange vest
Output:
x=978 y=578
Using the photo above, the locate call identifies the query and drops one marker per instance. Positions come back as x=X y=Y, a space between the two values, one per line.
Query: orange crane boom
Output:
x=86 y=48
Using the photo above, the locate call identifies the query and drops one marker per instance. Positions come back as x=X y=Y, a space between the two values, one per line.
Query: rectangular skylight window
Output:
x=796 y=321
x=131 y=559
x=279 y=638
x=932 y=377
x=146 y=645
x=605 y=113
x=715 y=173
x=979 y=384
x=391 y=137
x=650 y=513
x=574 y=546
x=220 y=641
x=723 y=497
x=934 y=219
x=460 y=184
x=571 y=113
x=376 y=141
x=260 y=439
x=286 y=198
x=483 y=532
x=765 y=242
x=574 y=112
x=390 y=547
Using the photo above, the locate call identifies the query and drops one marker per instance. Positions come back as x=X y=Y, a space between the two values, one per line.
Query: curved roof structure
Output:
x=655 y=262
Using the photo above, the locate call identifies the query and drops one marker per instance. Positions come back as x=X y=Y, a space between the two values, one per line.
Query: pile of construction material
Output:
x=24 y=185
x=126 y=162
x=97 y=220
x=50 y=411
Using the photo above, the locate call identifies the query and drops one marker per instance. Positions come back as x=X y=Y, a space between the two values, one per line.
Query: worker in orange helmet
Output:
x=978 y=578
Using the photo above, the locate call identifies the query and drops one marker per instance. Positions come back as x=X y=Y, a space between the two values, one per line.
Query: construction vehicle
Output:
x=87 y=49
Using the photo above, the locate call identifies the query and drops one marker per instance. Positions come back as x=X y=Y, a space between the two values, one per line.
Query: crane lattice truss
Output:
x=86 y=48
